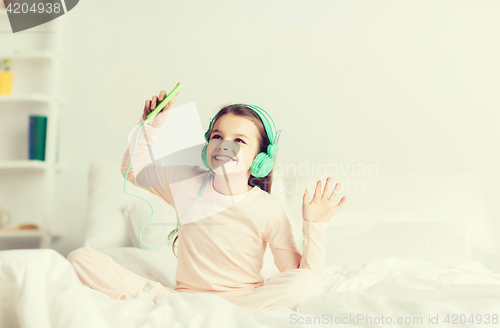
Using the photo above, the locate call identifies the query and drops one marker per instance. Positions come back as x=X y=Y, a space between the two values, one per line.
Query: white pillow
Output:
x=454 y=198
x=105 y=226
x=440 y=241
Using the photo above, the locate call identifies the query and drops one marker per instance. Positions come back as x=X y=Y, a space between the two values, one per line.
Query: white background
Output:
x=406 y=85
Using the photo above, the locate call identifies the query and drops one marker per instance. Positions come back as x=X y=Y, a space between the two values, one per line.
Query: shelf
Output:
x=28 y=165
x=28 y=54
x=41 y=63
x=25 y=98
x=16 y=233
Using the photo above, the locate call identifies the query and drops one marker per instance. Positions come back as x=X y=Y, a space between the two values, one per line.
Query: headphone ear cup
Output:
x=262 y=165
x=204 y=157
x=255 y=167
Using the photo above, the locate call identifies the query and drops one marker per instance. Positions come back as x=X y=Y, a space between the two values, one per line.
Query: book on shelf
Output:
x=37 y=137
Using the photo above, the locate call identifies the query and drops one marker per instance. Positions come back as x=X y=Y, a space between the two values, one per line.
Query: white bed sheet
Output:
x=408 y=289
x=39 y=288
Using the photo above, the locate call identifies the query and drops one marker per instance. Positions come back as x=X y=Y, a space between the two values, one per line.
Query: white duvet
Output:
x=414 y=293
x=39 y=288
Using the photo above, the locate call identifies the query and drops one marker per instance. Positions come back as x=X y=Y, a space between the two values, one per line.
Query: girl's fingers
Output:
x=153 y=103
x=172 y=101
x=305 y=198
x=163 y=93
x=341 y=203
x=326 y=192
x=150 y=105
x=175 y=97
x=334 y=193
x=317 y=192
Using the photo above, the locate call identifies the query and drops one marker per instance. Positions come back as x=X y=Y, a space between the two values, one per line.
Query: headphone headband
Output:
x=273 y=136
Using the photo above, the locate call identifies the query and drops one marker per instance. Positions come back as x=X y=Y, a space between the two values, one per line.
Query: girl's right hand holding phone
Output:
x=161 y=117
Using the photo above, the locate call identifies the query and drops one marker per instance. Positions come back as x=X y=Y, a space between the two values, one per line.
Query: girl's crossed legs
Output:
x=99 y=271
x=287 y=289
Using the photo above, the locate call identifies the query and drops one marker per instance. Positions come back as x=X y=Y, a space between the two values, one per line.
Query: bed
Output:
x=413 y=249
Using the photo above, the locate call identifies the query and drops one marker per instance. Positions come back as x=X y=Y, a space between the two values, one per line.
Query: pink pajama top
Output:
x=222 y=240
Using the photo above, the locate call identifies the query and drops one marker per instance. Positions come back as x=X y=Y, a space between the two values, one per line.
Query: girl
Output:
x=222 y=240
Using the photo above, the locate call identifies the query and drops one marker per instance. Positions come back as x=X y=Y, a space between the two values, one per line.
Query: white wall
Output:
x=405 y=85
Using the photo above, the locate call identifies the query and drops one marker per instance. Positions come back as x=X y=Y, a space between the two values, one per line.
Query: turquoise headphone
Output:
x=262 y=165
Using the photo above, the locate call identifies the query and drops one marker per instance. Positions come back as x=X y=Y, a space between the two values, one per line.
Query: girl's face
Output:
x=234 y=143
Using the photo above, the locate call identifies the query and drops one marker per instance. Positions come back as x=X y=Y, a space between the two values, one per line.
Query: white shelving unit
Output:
x=50 y=105
x=26 y=98
x=28 y=164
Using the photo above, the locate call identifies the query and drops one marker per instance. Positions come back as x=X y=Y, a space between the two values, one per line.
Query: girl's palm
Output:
x=321 y=208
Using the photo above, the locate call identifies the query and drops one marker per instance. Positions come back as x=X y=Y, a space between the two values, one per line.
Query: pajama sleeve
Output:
x=279 y=235
x=142 y=172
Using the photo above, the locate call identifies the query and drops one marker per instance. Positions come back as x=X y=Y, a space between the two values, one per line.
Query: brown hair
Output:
x=264 y=183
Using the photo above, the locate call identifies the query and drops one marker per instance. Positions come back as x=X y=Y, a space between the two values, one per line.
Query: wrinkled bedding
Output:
x=39 y=288
x=420 y=293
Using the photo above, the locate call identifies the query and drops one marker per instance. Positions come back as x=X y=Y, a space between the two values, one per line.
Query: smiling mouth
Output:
x=222 y=158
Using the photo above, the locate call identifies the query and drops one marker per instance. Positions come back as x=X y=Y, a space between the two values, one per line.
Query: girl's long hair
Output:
x=264 y=183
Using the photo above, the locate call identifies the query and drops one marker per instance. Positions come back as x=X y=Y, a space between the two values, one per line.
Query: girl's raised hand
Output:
x=161 y=117
x=322 y=207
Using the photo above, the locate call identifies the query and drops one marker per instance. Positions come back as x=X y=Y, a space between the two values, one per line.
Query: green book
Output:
x=37 y=137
